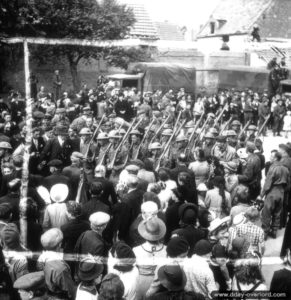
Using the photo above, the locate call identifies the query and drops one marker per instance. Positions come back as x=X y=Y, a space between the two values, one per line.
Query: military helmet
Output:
x=155 y=146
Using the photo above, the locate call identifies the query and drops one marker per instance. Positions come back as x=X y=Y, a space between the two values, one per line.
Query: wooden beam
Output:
x=78 y=42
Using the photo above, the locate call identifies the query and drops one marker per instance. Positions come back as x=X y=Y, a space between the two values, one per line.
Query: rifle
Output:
x=111 y=164
x=104 y=155
x=263 y=126
x=243 y=130
x=82 y=174
x=144 y=138
x=198 y=138
x=220 y=115
x=159 y=130
x=168 y=144
x=225 y=125
x=190 y=140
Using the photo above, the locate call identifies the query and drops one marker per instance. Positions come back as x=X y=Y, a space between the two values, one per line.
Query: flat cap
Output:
x=77 y=155
x=132 y=169
x=51 y=238
x=55 y=163
x=30 y=281
x=99 y=218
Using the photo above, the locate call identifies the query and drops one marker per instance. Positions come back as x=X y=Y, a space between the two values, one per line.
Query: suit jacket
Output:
x=133 y=200
x=90 y=242
x=53 y=150
x=35 y=159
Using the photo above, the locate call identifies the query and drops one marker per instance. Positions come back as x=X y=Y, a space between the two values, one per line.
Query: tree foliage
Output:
x=80 y=19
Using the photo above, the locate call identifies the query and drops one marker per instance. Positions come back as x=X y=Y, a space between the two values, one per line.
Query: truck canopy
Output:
x=166 y=76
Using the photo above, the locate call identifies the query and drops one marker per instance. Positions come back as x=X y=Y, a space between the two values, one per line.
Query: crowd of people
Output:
x=142 y=196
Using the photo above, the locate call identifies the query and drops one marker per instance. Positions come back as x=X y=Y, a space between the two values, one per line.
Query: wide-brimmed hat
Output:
x=172 y=277
x=89 y=269
x=59 y=192
x=152 y=230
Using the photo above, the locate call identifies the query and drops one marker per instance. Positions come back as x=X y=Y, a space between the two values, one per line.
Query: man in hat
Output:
x=75 y=226
x=208 y=144
x=60 y=147
x=263 y=113
x=178 y=148
x=57 y=83
x=73 y=172
x=57 y=273
x=231 y=138
x=223 y=151
x=90 y=274
x=235 y=125
x=155 y=150
x=83 y=143
x=251 y=172
x=200 y=278
x=188 y=214
x=278 y=117
x=135 y=145
x=102 y=148
x=123 y=108
x=17 y=108
x=116 y=155
x=60 y=118
x=251 y=133
x=37 y=145
x=277 y=180
x=91 y=241
x=31 y=286
x=55 y=167
x=80 y=122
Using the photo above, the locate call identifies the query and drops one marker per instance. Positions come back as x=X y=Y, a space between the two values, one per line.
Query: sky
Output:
x=191 y=13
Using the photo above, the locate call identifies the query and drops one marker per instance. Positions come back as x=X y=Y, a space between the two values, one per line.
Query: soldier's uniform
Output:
x=208 y=144
x=102 y=149
x=251 y=133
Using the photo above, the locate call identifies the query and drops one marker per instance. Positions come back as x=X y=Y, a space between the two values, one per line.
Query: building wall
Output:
x=207 y=65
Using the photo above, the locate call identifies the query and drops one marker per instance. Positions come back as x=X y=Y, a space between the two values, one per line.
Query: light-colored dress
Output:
x=148 y=256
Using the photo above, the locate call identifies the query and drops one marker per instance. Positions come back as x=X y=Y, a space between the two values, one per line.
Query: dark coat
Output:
x=53 y=150
x=35 y=159
x=133 y=200
x=192 y=235
x=108 y=190
x=56 y=178
x=71 y=232
x=94 y=205
x=91 y=242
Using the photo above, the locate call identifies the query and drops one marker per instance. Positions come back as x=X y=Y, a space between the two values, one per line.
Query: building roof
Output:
x=235 y=16
x=275 y=22
x=169 y=32
x=144 y=27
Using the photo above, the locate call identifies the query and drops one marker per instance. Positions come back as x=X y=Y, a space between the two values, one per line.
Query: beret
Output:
x=30 y=281
x=99 y=218
x=51 y=238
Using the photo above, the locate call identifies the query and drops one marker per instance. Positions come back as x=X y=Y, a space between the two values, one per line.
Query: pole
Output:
x=25 y=171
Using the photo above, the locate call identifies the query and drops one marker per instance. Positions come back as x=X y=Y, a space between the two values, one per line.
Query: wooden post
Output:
x=28 y=138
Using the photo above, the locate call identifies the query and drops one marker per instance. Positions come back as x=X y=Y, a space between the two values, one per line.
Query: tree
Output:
x=81 y=19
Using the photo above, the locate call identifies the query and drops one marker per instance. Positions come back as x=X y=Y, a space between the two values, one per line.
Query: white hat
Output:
x=239 y=219
x=59 y=192
x=149 y=207
x=51 y=238
x=218 y=223
x=99 y=218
